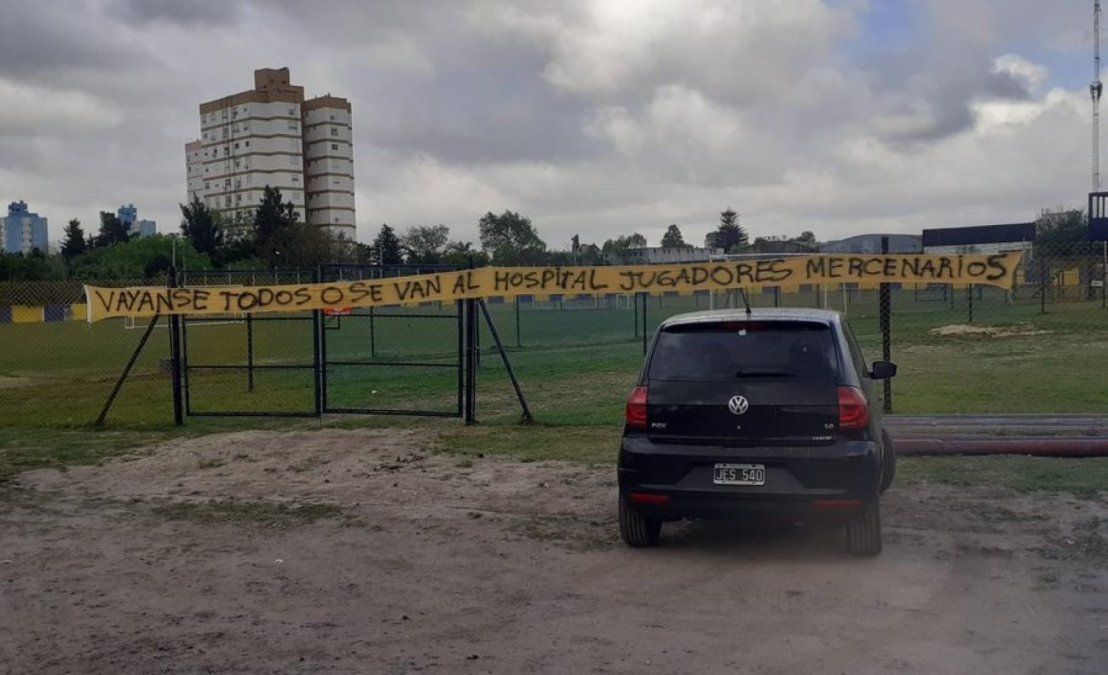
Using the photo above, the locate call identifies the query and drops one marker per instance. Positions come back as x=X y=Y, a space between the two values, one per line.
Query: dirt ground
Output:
x=364 y=551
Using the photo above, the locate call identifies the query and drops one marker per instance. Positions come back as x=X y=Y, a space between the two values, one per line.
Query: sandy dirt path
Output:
x=363 y=551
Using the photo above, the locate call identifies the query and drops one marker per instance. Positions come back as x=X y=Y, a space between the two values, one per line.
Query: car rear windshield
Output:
x=745 y=349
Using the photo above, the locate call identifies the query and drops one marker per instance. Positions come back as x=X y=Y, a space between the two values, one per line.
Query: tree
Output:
x=141 y=257
x=730 y=236
x=112 y=230
x=672 y=238
x=387 y=246
x=425 y=244
x=272 y=223
x=202 y=228
x=511 y=239
x=623 y=242
x=1063 y=234
x=75 y=243
x=461 y=253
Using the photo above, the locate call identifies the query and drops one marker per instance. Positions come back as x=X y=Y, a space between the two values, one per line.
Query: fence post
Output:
x=644 y=304
x=470 y=362
x=519 y=336
x=885 y=313
x=969 y=296
x=317 y=348
x=250 y=352
x=635 y=300
x=1044 y=281
x=175 y=354
x=372 y=336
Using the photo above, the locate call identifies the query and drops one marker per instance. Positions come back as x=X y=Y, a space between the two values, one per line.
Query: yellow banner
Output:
x=992 y=270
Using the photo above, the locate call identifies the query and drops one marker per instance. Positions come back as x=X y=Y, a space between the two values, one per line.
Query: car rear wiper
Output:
x=763 y=373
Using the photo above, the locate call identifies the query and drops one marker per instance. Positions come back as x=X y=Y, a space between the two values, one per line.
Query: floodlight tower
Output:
x=1095 y=89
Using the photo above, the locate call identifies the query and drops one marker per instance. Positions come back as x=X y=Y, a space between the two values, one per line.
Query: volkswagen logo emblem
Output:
x=738 y=405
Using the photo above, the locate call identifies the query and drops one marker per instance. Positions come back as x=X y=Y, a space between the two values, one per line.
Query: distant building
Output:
x=270 y=135
x=980 y=239
x=656 y=255
x=128 y=215
x=22 y=231
x=871 y=243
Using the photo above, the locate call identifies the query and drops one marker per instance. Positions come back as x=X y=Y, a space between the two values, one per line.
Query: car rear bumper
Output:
x=675 y=481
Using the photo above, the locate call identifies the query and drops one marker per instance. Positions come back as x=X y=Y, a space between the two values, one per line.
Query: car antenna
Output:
x=746 y=301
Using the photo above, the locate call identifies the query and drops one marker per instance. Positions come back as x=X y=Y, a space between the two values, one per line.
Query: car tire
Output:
x=863 y=535
x=888 y=464
x=636 y=529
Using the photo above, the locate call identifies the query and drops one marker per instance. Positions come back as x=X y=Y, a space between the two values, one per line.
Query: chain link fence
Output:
x=1039 y=347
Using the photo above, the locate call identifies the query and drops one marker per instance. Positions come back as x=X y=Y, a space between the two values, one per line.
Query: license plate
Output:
x=739 y=474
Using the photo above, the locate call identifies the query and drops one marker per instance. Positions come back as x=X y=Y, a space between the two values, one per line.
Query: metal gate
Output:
x=238 y=364
x=410 y=360
x=395 y=360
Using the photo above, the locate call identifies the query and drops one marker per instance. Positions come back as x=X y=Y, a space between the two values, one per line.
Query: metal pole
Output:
x=635 y=299
x=507 y=364
x=885 y=313
x=175 y=355
x=317 y=344
x=470 y=363
x=1043 y=282
x=519 y=336
x=126 y=371
x=250 y=352
x=372 y=335
x=969 y=297
x=1104 y=278
x=644 y=304
x=459 y=308
x=776 y=296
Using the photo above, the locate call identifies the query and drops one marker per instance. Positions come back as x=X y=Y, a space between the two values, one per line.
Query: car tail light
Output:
x=636 y=408
x=853 y=409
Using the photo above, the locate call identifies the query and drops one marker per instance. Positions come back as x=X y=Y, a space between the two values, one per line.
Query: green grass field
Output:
x=576 y=364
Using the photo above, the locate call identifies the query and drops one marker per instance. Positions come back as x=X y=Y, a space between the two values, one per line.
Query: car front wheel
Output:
x=636 y=529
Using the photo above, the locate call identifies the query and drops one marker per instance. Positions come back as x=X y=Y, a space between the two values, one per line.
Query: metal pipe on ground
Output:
x=1044 y=447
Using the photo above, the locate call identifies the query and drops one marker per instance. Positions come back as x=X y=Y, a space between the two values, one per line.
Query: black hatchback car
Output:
x=770 y=412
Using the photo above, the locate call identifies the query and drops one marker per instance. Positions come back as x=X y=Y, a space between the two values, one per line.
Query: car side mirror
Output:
x=883 y=370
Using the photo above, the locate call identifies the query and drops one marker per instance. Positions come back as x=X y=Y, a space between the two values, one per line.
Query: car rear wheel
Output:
x=888 y=464
x=636 y=529
x=863 y=536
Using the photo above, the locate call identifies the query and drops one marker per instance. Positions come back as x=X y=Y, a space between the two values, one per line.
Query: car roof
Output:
x=827 y=316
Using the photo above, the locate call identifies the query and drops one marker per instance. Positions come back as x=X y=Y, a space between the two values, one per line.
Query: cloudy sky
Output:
x=595 y=117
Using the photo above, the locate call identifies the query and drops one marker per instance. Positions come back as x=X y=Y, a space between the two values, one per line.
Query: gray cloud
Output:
x=591 y=116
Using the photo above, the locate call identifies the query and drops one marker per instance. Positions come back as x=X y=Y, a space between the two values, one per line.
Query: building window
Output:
x=236 y=146
x=238 y=198
x=292 y=111
x=246 y=143
x=334 y=131
x=334 y=146
x=227 y=200
x=292 y=125
x=245 y=126
x=295 y=178
x=331 y=116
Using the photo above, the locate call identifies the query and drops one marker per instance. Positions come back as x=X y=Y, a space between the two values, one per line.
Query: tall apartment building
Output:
x=22 y=231
x=270 y=135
